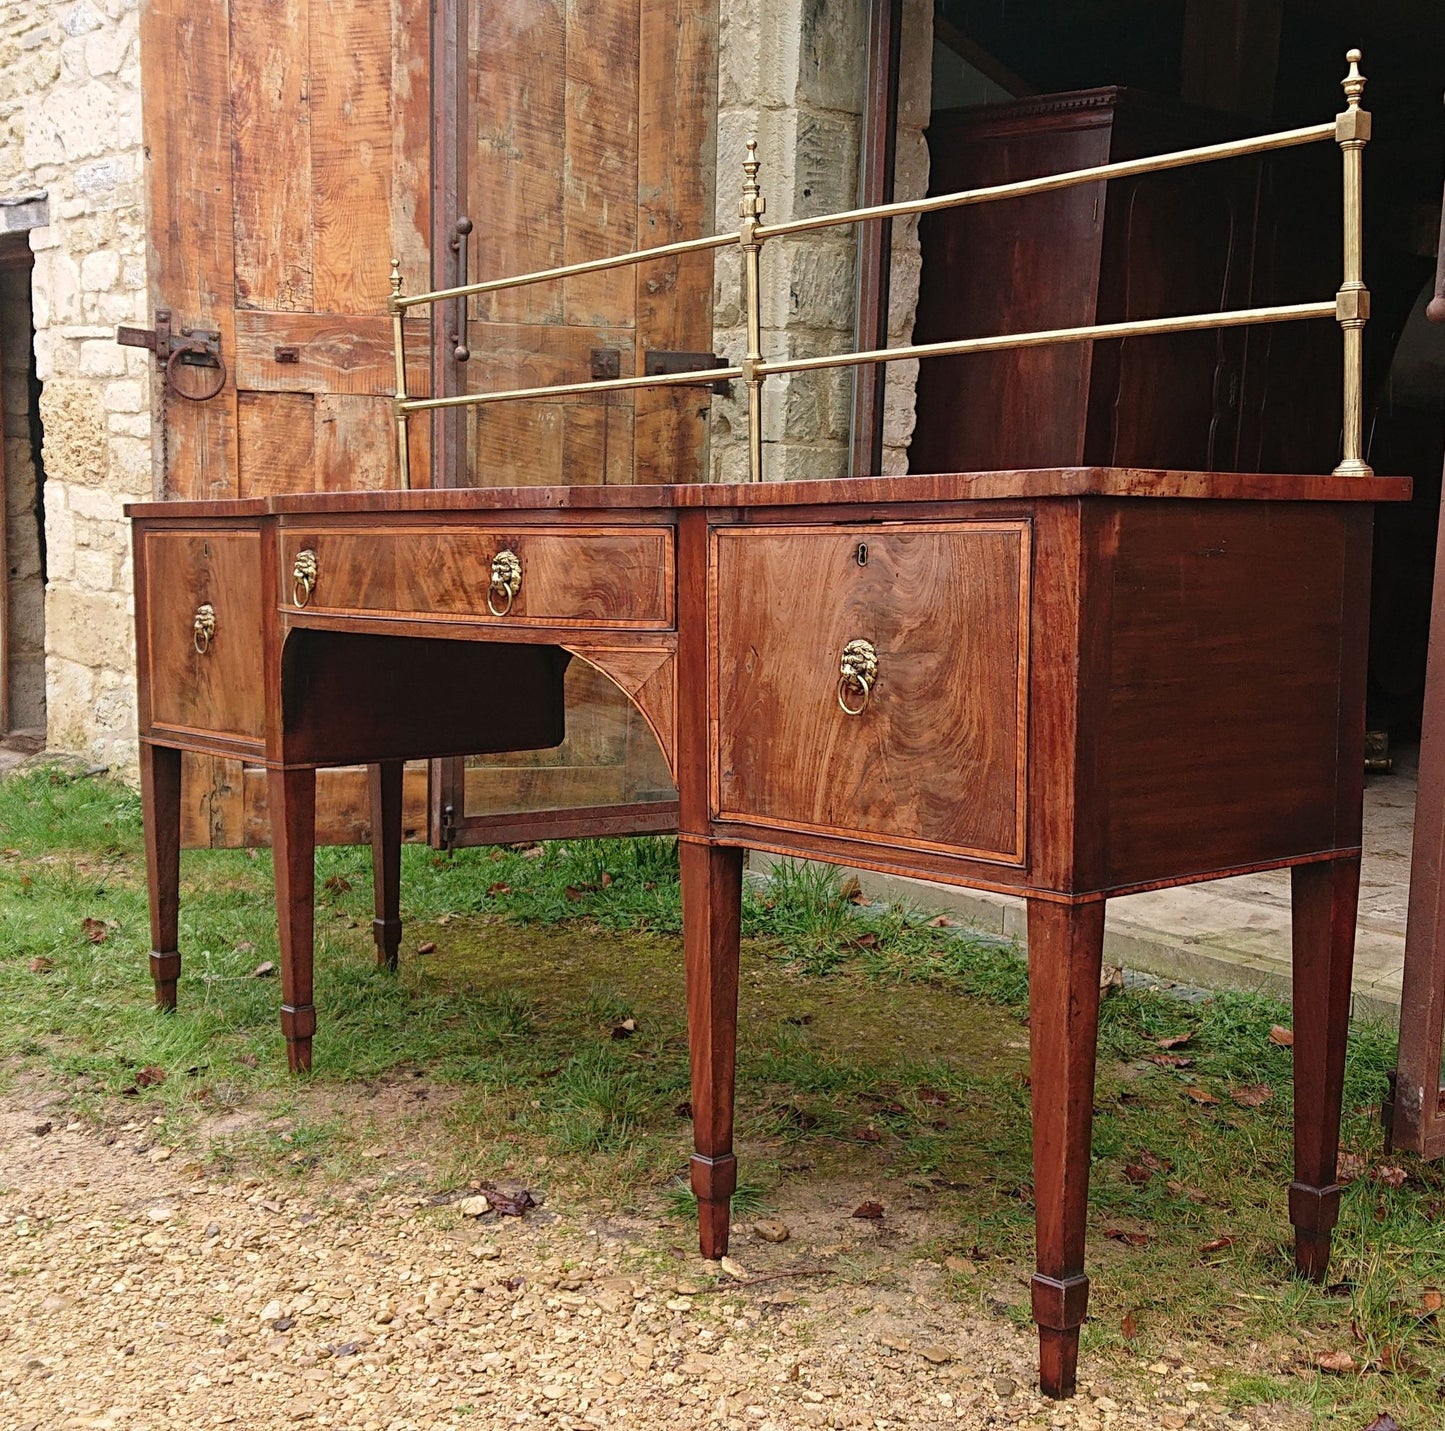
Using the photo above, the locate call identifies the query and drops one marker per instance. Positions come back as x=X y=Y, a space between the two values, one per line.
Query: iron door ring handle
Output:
x=175 y=387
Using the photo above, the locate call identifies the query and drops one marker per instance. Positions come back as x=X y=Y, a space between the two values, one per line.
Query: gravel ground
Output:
x=140 y=1294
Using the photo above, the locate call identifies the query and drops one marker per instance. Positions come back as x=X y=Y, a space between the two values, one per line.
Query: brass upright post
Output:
x=398 y=343
x=1352 y=303
x=754 y=206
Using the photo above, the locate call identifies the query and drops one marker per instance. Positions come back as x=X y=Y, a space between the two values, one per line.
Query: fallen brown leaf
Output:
x=1154 y=1161
x=337 y=884
x=942 y=921
x=1174 y=1040
x=606 y=879
x=1129 y=1326
x=1282 y=1036
x=1137 y=1174
x=533 y=852
x=1218 y=1245
x=1132 y=1239
x=41 y=965
x=1388 y=1175
x=933 y=1096
x=870 y=1210
x=96 y=930
x=1383 y=1422
x=867 y=941
x=430 y=947
x=1349 y=1166
x=263 y=970
x=850 y=889
x=1336 y=1361
x=247 y=1060
x=574 y=892
x=499 y=888
x=1252 y=1095
x=150 y=1076
x=1171 y=1060
x=509 y=1204
x=1201 y=1096
x=1432 y=1301
x=1111 y=977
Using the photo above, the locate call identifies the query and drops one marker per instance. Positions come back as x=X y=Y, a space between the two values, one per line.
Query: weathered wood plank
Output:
x=272 y=152
x=355 y=444
x=276 y=443
x=336 y=353
x=600 y=192
x=677 y=98
x=351 y=154
x=411 y=138
x=185 y=51
x=516 y=157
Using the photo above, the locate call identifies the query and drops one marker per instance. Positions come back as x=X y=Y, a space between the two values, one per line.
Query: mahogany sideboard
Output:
x=1067 y=684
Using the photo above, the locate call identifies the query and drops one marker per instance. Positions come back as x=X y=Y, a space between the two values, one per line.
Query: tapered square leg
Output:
x=292 y=796
x=160 y=784
x=1325 y=897
x=711 y=913
x=1066 y=944
x=386 y=859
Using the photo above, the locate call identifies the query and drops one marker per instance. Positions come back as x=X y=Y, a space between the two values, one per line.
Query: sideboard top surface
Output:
x=940 y=487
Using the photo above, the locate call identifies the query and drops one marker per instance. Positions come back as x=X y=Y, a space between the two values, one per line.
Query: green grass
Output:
x=873 y=1047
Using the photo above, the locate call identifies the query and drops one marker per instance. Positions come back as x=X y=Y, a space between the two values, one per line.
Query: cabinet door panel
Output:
x=937 y=757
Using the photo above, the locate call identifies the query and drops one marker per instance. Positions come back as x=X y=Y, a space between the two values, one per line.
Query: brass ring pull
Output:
x=303 y=577
x=506 y=582
x=858 y=672
x=203 y=629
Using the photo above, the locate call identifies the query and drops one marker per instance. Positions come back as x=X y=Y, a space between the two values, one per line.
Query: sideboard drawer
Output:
x=585 y=577
x=935 y=757
x=203 y=632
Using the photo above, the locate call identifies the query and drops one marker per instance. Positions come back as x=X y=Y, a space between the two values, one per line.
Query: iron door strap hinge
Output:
x=659 y=364
x=185 y=346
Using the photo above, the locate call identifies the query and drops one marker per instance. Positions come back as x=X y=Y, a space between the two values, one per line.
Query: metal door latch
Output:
x=173 y=347
x=656 y=365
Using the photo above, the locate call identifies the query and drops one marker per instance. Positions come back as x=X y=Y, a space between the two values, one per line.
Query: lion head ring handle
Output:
x=303 y=576
x=203 y=628
x=859 y=670
x=506 y=582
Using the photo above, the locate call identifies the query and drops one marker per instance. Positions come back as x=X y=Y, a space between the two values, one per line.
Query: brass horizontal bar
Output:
x=1135 y=328
x=572 y=270
x=701 y=378
x=1046 y=183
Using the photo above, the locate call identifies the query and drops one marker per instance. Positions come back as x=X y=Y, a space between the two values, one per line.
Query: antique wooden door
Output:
x=581 y=129
x=296 y=146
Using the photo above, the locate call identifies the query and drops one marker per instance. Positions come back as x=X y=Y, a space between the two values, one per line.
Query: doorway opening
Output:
x=22 y=533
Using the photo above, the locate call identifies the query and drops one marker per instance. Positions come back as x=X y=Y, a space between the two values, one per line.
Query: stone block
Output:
x=88 y=628
x=94 y=569
x=832 y=53
x=86 y=118
x=99 y=271
x=101 y=358
x=124 y=395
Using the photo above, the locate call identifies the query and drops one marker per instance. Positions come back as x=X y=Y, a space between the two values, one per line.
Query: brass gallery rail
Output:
x=1350 y=306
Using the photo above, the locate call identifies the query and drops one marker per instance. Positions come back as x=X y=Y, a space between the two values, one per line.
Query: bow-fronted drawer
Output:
x=528 y=576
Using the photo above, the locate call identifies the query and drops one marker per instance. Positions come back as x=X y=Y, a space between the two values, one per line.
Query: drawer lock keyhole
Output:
x=858 y=671
x=862 y=553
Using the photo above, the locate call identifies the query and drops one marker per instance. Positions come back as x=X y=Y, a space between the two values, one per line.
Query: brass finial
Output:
x=754 y=206
x=396 y=278
x=1353 y=83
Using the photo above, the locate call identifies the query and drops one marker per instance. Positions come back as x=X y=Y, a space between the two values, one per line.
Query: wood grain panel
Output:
x=355 y=444
x=589 y=577
x=677 y=113
x=334 y=353
x=343 y=809
x=351 y=156
x=270 y=55
x=222 y=690
x=277 y=446
x=937 y=759
x=517 y=159
x=185 y=51
x=1224 y=685
x=412 y=139
x=600 y=195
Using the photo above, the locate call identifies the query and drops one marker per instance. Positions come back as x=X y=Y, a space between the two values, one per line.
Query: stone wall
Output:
x=70 y=126
x=791 y=76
